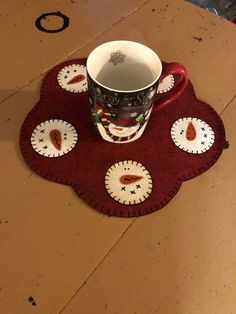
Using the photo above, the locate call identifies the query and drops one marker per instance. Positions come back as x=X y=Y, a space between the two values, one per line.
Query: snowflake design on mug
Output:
x=117 y=57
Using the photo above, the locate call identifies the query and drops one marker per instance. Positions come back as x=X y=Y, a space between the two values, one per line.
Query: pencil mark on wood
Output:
x=32 y=301
x=197 y=38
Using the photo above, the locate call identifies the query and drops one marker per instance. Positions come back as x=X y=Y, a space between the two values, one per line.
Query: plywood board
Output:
x=27 y=52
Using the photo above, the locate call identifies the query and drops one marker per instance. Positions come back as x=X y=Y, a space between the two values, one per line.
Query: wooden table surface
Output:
x=62 y=255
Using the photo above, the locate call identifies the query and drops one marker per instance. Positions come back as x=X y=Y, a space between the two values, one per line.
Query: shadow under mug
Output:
x=123 y=78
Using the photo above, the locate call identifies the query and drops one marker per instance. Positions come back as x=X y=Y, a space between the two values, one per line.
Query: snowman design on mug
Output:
x=118 y=130
x=123 y=124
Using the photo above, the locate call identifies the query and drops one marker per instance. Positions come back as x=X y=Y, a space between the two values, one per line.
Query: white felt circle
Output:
x=54 y=138
x=166 y=84
x=128 y=182
x=73 y=78
x=192 y=135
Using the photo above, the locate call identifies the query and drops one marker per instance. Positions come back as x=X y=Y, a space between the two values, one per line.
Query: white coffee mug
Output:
x=123 y=77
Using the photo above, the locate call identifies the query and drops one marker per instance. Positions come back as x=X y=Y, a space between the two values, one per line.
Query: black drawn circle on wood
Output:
x=44 y=15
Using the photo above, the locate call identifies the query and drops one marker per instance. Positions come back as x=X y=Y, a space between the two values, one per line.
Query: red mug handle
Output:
x=171 y=69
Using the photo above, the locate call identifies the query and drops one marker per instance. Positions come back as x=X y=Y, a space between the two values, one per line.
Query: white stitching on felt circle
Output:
x=54 y=138
x=128 y=182
x=73 y=78
x=166 y=84
x=192 y=135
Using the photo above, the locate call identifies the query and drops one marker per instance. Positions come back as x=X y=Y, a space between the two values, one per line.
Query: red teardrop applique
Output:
x=76 y=79
x=129 y=178
x=55 y=137
x=191 y=132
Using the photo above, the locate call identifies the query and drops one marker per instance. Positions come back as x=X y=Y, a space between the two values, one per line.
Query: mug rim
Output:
x=120 y=90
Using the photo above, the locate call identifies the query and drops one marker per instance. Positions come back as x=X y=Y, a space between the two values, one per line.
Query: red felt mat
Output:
x=85 y=162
